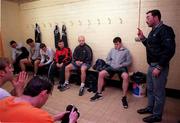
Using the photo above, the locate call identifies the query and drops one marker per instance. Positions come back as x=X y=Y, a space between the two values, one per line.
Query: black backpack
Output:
x=138 y=77
x=100 y=65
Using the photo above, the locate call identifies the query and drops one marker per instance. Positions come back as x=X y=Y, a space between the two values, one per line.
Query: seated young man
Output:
x=118 y=59
x=47 y=56
x=34 y=56
x=63 y=57
x=27 y=108
x=19 y=52
x=82 y=59
x=6 y=74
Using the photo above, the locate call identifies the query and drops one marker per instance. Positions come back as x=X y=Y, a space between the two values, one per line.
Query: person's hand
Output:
x=59 y=116
x=73 y=116
x=59 y=65
x=19 y=83
x=156 y=72
x=79 y=63
x=140 y=34
x=41 y=64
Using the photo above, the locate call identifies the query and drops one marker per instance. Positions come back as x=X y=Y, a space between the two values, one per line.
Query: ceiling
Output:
x=21 y=1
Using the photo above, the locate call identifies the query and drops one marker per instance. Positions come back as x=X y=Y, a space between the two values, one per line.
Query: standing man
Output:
x=160 y=48
x=82 y=59
x=118 y=60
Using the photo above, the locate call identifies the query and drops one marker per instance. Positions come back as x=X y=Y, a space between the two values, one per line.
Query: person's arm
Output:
x=56 y=56
x=89 y=55
x=13 y=54
x=75 y=54
x=68 y=57
x=128 y=60
x=73 y=116
x=59 y=116
x=141 y=37
x=42 y=57
x=51 y=56
x=168 y=45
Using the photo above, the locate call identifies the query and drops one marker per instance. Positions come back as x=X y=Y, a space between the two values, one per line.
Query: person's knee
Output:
x=102 y=74
x=36 y=63
x=22 y=61
x=83 y=69
x=68 y=67
x=125 y=76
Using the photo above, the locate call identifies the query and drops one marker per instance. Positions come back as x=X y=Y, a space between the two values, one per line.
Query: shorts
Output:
x=111 y=71
x=76 y=67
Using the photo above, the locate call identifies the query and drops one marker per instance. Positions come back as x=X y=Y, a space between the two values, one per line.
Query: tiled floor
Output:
x=109 y=109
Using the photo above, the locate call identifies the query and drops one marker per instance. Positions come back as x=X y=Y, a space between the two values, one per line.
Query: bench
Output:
x=114 y=81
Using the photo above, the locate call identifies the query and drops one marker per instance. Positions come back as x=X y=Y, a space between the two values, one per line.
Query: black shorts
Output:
x=111 y=71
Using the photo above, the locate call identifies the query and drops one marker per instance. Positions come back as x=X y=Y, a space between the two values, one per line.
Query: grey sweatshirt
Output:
x=119 y=58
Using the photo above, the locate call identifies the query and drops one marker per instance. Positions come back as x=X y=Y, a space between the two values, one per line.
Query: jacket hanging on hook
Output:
x=64 y=36
x=56 y=36
x=37 y=34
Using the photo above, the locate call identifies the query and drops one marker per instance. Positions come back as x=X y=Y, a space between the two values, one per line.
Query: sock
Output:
x=66 y=82
x=82 y=84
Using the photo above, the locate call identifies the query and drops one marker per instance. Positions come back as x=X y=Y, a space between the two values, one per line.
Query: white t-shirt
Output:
x=4 y=93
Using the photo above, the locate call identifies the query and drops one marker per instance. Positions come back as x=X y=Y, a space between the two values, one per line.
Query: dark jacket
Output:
x=83 y=53
x=160 y=45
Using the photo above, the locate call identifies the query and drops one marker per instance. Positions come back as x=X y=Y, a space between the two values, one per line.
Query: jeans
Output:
x=156 y=90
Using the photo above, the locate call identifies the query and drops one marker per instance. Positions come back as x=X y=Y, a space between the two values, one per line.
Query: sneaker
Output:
x=96 y=97
x=124 y=102
x=64 y=87
x=152 y=119
x=81 y=91
x=146 y=110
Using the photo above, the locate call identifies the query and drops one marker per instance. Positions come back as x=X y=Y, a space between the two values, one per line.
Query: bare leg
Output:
x=125 y=85
x=23 y=63
x=36 y=64
x=102 y=75
x=67 y=71
x=83 y=73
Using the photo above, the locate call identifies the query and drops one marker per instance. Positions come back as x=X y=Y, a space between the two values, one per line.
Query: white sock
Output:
x=66 y=82
x=82 y=84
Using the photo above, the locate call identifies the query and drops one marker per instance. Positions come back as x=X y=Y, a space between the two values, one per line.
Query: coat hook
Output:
x=55 y=23
x=80 y=23
x=63 y=23
x=44 y=25
x=50 y=24
x=71 y=23
x=98 y=20
x=109 y=20
x=120 y=19
x=32 y=25
x=89 y=22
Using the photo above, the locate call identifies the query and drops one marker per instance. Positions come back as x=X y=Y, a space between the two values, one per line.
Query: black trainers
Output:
x=124 y=102
x=152 y=119
x=81 y=91
x=146 y=110
x=96 y=97
x=63 y=87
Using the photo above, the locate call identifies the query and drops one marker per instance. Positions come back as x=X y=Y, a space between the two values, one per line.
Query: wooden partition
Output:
x=1 y=46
